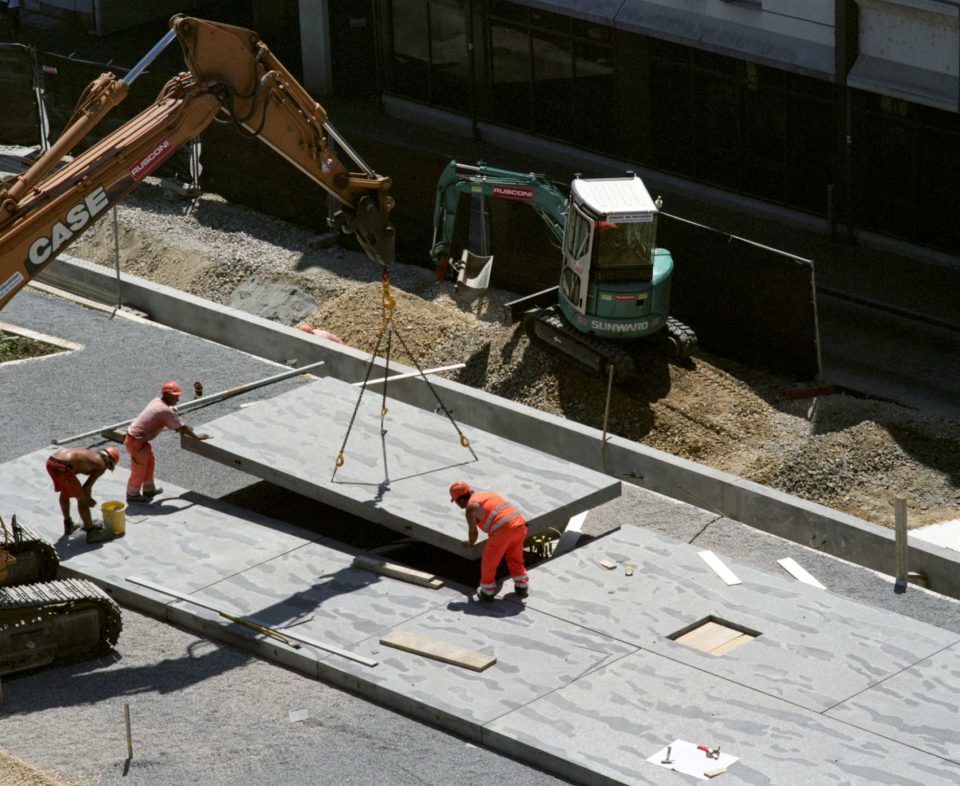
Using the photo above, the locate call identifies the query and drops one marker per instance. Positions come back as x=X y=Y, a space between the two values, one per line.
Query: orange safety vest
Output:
x=497 y=512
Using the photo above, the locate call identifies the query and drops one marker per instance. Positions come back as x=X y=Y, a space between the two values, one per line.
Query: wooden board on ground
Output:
x=438 y=650
x=396 y=571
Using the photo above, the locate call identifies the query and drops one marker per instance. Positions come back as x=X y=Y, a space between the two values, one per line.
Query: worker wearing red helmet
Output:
x=63 y=468
x=156 y=416
x=506 y=531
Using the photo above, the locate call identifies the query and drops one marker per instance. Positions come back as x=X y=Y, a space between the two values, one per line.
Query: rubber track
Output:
x=683 y=335
x=610 y=351
x=47 y=558
x=55 y=597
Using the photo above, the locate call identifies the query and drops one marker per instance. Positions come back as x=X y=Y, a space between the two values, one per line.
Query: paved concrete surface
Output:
x=587 y=683
x=396 y=469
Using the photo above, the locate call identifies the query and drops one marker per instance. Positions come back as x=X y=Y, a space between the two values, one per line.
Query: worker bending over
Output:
x=156 y=416
x=63 y=468
x=506 y=531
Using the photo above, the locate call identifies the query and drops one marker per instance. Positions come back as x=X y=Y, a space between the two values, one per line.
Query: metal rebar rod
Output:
x=126 y=720
x=410 y=374
x=203 y=401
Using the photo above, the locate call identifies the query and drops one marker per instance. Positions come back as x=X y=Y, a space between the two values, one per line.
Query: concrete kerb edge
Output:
x=784 y=515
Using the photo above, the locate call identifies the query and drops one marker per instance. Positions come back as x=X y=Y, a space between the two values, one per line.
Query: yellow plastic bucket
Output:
x=114 y=516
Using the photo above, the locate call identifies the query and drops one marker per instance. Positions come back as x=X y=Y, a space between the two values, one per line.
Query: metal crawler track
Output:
x=37 y=559
x=67 y=620
x=548 y=329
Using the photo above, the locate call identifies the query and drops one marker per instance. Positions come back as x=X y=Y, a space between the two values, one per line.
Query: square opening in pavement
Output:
x=714 y=636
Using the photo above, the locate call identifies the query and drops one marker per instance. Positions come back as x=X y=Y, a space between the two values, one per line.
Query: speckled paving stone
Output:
x=602 y=727
x=397 y=477
x=919 y=707
x=181 y=540
x=815 y=649
x=536 y=654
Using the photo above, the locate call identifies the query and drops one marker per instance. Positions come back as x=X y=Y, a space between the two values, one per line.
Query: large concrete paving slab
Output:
x=398 y=476
x=585 y=683
x=601 y=728
x=919 y=706
x=815 y=649
x=181 y=540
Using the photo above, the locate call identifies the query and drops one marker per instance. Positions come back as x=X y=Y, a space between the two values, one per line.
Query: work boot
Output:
x=69 y=527
x=137 y=498
x=151 y=493
x=521 y=592
x=98 y=534
x=483 y=597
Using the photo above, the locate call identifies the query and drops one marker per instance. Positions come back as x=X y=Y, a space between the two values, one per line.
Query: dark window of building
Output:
x=717 y=128
x=593 y=96
x=511 y=73
x=430 y=58
x=552 y=83
x=450 y=82
x=671 y=115
x=411 y=49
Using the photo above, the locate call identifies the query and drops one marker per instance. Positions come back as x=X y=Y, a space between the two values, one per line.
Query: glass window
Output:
x=594 y=115
x=449 y=64
x=578 y=234
x=625 y=244
x=511 y=75
x=552 y=83
x=411 y=49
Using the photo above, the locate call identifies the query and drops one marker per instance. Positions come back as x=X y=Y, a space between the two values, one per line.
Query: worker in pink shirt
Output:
x=156 y=416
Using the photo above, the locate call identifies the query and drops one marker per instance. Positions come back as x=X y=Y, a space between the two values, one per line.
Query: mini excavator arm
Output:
x=232 y=73
x=530 y=188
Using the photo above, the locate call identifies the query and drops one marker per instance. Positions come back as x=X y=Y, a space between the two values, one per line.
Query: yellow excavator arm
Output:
x=231 y=73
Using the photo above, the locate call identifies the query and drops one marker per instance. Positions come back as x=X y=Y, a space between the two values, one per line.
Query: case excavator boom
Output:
x=231 y=74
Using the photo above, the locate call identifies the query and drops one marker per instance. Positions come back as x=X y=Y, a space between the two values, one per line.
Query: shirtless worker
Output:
x=156 y=416
x=63 y=468
x=506 y=531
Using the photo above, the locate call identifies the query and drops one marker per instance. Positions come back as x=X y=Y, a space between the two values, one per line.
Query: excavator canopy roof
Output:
x=615 y=197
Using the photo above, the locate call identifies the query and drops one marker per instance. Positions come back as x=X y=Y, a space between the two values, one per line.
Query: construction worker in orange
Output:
x=506 y=531
x=156 y=416
x=63 y=468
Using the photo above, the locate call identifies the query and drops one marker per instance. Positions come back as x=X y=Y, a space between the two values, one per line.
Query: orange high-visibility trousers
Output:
x=141 y=464
x=505 y=542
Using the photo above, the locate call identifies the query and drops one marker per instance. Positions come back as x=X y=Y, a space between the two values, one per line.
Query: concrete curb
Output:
x=784 y=515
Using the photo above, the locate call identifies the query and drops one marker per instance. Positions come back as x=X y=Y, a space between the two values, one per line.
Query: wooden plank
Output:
x=397 y=571
x=791 y=566
x=723 y=649
x=608 y=564
x=708 y=637
x=438 y=650
x=716 y=564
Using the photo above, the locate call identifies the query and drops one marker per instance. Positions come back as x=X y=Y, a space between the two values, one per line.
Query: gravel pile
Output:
x=848 y=453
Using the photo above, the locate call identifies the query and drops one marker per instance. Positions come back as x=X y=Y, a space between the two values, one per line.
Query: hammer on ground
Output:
x=712 y=753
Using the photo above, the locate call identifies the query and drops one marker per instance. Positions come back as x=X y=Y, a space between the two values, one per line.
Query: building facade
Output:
x=844 y=109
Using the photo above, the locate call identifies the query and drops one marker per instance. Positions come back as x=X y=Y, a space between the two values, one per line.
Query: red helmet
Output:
x=172 y=388
x=458 y=488
x=114 y=455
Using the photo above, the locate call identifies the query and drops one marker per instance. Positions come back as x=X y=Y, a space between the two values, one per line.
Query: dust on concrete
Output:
x=849 y=453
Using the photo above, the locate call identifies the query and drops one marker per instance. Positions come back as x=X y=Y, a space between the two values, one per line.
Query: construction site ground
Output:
x=848 y=451
x=587 y=681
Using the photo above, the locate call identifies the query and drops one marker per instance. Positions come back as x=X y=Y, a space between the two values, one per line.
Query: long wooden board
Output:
x=396 y=571
x=438 y=650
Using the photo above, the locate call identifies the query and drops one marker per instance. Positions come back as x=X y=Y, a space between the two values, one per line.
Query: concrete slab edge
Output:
x=784 y=515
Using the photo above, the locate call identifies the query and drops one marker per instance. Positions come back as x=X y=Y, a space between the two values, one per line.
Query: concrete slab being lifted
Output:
x=397 y=477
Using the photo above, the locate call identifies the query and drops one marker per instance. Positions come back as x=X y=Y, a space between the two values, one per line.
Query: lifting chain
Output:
x=388 y=327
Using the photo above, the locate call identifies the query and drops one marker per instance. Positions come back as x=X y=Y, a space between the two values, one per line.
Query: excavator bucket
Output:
x=473 y=274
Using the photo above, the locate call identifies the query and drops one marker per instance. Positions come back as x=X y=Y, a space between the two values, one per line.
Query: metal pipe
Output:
x=412 y=374
x=345 y=146
x=149 y=57
x=197 y=403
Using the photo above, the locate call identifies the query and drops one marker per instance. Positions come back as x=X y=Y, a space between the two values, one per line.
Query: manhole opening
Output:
x=714 y=635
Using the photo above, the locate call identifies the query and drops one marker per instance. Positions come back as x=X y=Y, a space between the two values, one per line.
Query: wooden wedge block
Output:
x=608 y=564
x=715 y=772
x=438 y=650
x=397 y=571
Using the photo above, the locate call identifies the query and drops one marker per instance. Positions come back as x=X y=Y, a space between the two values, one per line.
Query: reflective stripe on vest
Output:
x=497 y=516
